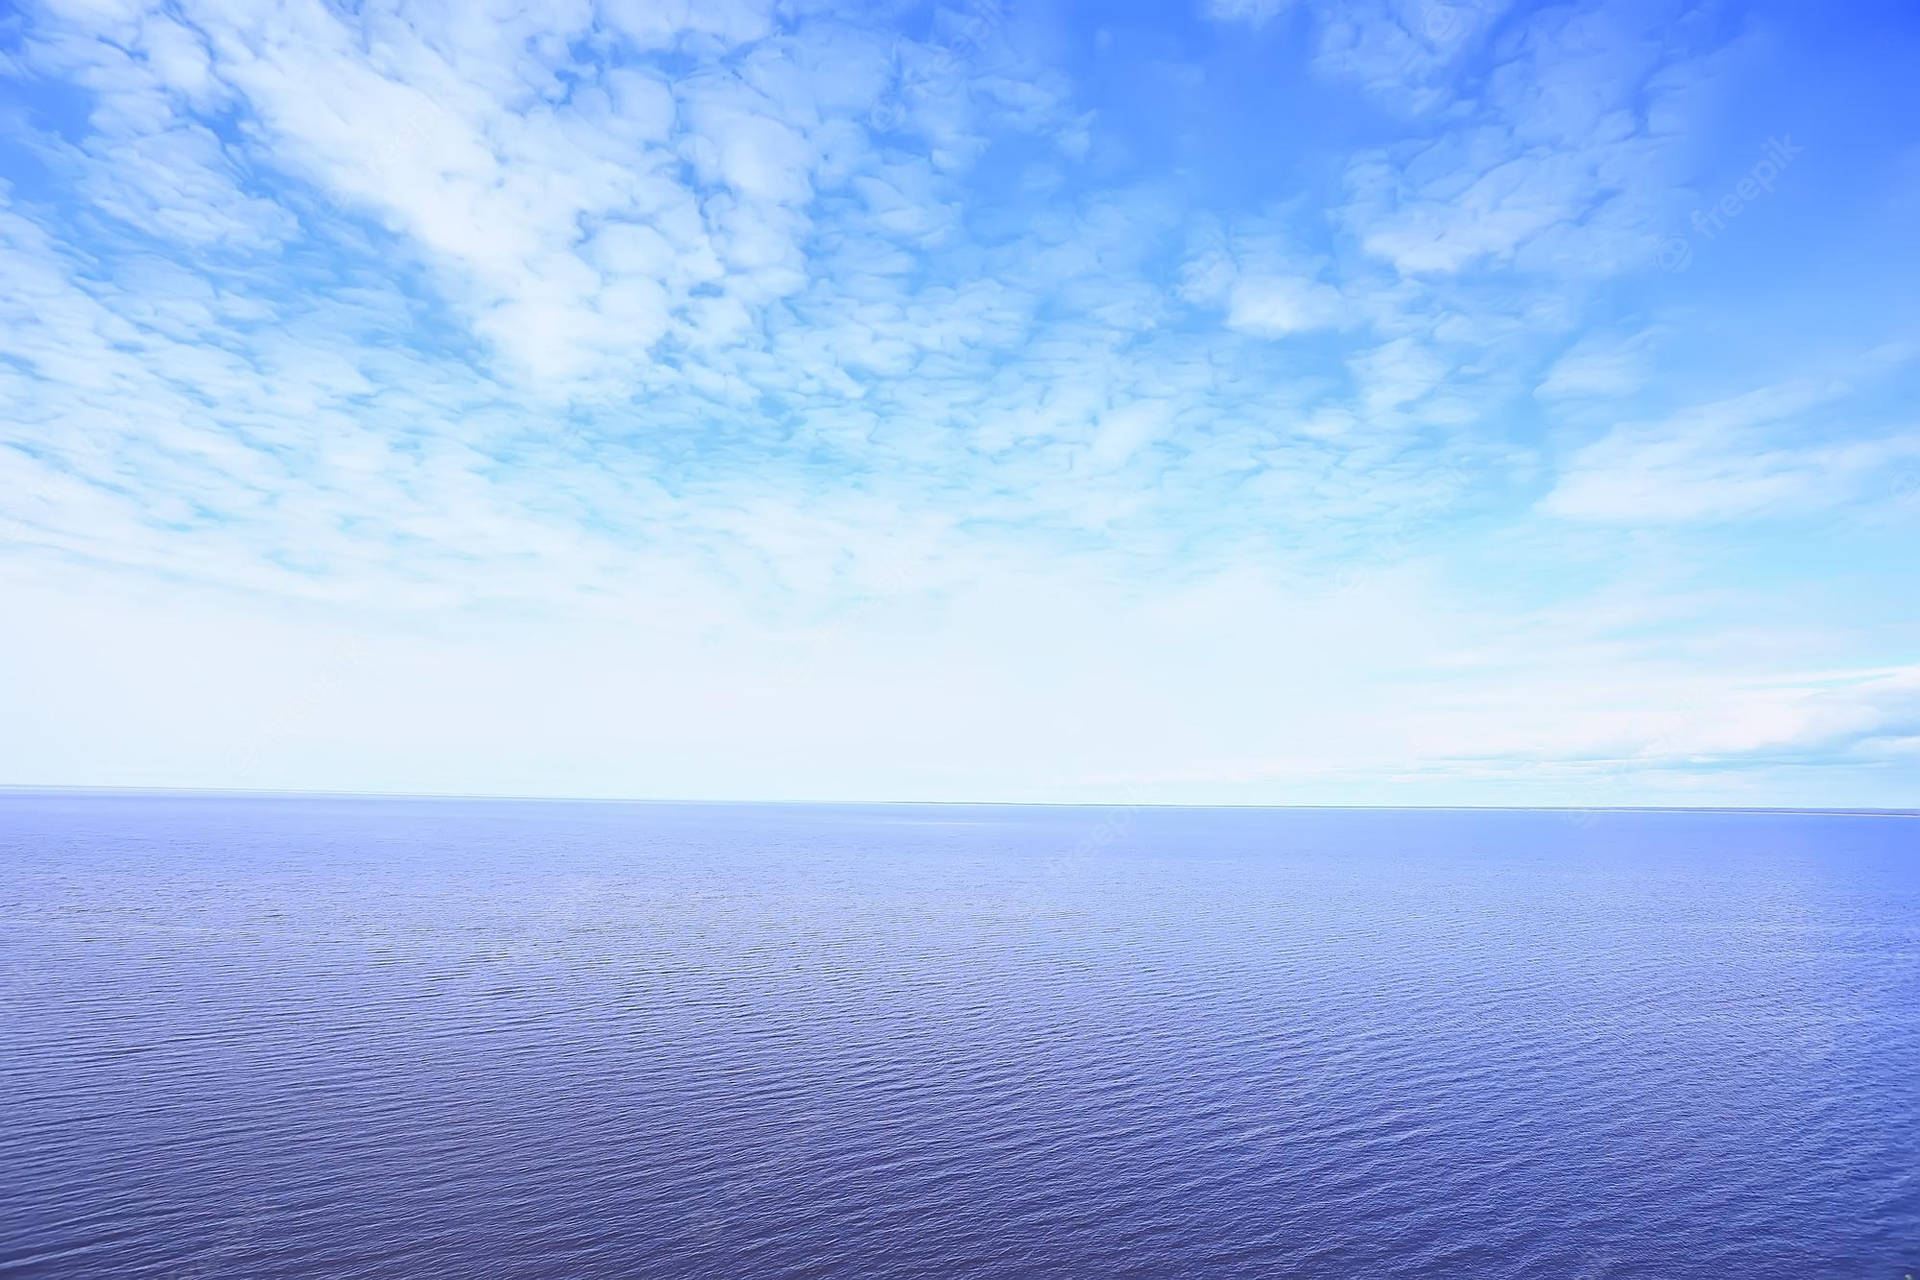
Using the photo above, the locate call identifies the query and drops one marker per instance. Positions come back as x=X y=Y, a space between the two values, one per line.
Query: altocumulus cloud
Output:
x=1251 y=401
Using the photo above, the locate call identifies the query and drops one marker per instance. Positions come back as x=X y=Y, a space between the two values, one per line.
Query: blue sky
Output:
x=1238 y=401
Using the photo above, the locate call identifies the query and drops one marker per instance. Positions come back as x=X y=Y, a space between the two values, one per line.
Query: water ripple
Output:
x=372 y=1038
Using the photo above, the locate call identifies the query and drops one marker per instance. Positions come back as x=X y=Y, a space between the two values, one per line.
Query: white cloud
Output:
x=1124 y=431
x=1567 y=161
x=667 y=23
x=1254 y=12
x=501 y=155
x=1401 y=50
x=1655 y=475
x=1278 y=305
x=1397 y=374
x=654 y=353
x=1599 y=367
x=1745 y=456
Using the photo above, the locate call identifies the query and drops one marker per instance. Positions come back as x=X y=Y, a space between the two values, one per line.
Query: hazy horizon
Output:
x=52 y=789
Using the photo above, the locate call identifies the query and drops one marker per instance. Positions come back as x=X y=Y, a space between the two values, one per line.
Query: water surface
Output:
x=299 y=1037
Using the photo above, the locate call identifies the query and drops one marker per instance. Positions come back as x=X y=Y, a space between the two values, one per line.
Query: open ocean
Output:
x=263 y=1037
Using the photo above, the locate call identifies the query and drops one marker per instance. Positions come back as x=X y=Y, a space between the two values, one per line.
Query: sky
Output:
x=1205 y=401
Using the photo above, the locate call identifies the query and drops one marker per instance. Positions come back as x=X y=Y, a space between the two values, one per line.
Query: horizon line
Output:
x=8 y=789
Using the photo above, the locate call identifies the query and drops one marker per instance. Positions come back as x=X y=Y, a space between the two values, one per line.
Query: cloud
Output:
x=523 y=174
x=1565 y=162
x=1743 y=457
x=1253 y=12
x=717 y=345
x=1688 y=727
x=1396 y=374
x=1277 y=305
x=1599 y=367
x=1401 y=50
x=1123 y=432
x=1655 y=477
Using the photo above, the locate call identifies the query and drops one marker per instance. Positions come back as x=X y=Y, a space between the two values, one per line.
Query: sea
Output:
x=262 y=1036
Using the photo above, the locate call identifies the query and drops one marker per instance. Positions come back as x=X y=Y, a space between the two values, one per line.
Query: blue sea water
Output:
x=341 y=1037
